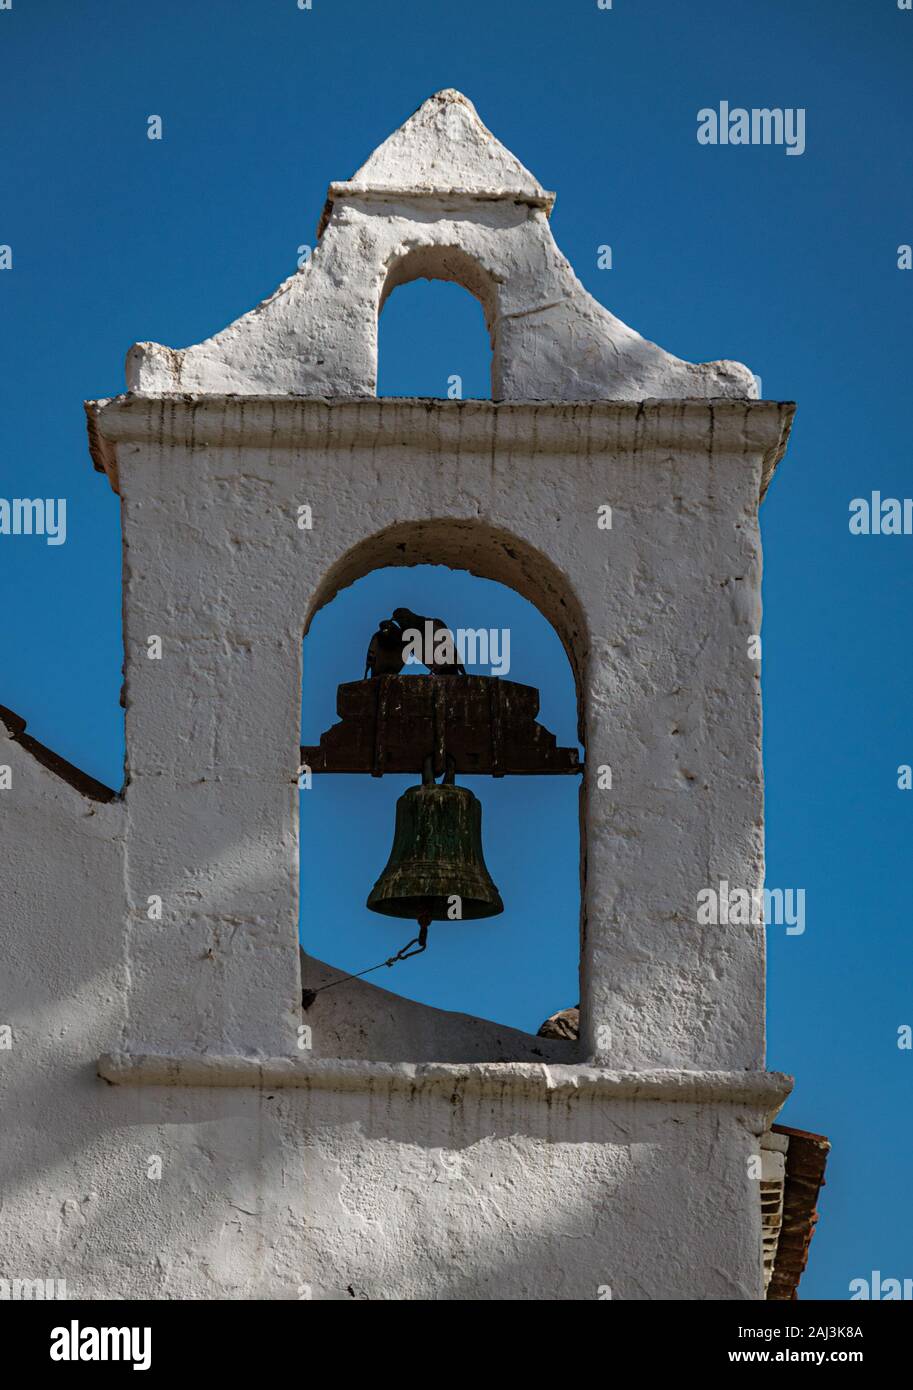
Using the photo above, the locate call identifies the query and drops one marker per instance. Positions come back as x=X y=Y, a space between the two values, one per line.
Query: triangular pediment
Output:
x=445 y=146
x=443 y=199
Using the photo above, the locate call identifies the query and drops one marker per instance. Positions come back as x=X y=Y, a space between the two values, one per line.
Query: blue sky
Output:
x=786 y=263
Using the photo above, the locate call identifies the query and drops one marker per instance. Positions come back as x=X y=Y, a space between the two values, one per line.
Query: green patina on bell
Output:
x=436 y=867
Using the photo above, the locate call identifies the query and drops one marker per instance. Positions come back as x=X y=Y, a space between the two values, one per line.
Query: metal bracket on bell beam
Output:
x=488 y=725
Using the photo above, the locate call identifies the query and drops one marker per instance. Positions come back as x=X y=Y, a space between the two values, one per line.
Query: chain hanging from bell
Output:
x=436 y=871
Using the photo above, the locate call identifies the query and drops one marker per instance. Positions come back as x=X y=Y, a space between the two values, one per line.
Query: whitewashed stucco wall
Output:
x=368 y=1189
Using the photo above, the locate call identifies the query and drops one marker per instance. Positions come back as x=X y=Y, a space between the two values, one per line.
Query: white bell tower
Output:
x=408 y=1153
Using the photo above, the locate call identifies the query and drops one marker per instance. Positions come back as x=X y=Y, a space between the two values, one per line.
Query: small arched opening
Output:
x=437 y=338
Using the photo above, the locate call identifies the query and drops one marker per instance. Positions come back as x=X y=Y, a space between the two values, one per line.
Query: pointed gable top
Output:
x=441 y=198
x=443 y=148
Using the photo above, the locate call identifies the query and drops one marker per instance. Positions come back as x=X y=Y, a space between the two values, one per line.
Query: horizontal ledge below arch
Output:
x=534 y=1079
x=448 y=196
x=563 y=428
x=387 y=192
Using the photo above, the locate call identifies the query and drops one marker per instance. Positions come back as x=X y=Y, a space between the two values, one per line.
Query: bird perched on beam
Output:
x=428 y=628
x=385 y=651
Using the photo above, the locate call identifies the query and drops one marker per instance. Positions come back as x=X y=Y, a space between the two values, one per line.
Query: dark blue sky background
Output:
x=787 y=264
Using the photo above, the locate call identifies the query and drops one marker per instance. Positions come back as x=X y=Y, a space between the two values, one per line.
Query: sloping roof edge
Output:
x=806 y=1160
x=66 y=771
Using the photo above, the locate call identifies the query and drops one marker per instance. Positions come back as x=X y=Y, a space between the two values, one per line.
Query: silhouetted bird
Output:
x=385 y=651
x=407 y=619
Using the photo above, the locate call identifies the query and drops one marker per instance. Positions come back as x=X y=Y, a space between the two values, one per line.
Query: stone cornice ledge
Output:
x=743 y=427
x=762 y=1088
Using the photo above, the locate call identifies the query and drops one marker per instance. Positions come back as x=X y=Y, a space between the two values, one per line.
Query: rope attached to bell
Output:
x=420 y=943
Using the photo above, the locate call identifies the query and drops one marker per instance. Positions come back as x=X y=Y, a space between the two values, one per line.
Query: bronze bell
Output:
x=436 y=856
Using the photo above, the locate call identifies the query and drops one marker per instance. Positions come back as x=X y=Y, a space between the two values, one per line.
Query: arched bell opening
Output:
x=437 y=338
x=483 y=551
x=514 y=968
